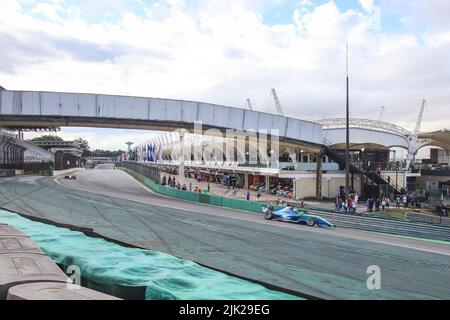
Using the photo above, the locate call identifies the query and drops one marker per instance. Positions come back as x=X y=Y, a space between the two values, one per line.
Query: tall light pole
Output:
x=347 y=140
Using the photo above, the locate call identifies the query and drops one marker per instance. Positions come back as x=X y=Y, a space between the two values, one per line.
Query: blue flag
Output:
x=152 y=159
x=154 y=153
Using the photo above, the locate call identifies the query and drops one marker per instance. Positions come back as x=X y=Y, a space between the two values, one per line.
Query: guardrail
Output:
x=426 y=218
x=396 y=227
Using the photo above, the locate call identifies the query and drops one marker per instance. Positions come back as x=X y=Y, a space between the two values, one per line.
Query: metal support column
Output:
x=347 y=140
x=319 y=177
x=181 y=156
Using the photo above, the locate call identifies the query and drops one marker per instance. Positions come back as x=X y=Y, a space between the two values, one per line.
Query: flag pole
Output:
x=347 y=140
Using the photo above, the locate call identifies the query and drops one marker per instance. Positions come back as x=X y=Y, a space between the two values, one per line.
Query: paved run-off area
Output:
x=323 y=263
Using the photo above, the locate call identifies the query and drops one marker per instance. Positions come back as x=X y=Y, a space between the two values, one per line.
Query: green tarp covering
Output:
x=164 y=276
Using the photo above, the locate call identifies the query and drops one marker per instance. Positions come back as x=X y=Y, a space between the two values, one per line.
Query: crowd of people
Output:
x=382 y=203
x=349 y=205
x=172 y=183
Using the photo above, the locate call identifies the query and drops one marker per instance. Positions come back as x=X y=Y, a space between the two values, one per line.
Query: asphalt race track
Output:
x=330 y=264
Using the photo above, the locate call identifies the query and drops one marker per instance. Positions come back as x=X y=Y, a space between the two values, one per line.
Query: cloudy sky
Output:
x=225 y=51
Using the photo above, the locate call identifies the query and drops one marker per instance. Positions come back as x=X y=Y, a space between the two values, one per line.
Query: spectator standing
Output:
x=377 y=205
x=444 y=210
x=346 y=206
x=356 y=198
x=337 y=204
x=248 y=195
x=405 y=201
x=371 y=203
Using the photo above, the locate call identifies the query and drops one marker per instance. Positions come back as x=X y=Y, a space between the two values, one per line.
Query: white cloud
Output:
x=368 y=5
x=49 y=10
x=221 y=52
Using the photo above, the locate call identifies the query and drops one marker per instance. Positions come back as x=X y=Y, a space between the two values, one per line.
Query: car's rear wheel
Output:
x=268 y=215
x=310 y=222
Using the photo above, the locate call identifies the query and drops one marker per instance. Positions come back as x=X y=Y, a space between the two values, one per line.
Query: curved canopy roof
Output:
x=441 y=138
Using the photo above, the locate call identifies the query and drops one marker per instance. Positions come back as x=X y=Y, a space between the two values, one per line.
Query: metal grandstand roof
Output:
x=364 y=124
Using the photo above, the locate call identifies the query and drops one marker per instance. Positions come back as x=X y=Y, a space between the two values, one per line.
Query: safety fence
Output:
x=152 y=173
x=7 y=173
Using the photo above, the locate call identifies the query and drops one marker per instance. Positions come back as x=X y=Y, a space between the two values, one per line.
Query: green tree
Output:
x=84 y=144
x=46 y=138
x=104 y=153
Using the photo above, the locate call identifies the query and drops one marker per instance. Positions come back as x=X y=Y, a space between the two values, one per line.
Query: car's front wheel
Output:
x=268 y=215
x=310 y=222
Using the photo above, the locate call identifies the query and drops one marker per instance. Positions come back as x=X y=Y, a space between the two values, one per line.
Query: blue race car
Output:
x=294 y=215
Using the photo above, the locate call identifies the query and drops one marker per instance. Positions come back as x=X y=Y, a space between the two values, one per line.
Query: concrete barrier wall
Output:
x=214 y=200
x=54 y=291
x=26 y=273
x=22 y=261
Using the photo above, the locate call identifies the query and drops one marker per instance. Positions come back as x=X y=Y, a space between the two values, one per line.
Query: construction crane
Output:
x=419 y=120
x=277 y=103
x=413 y=139
x=249 y=104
